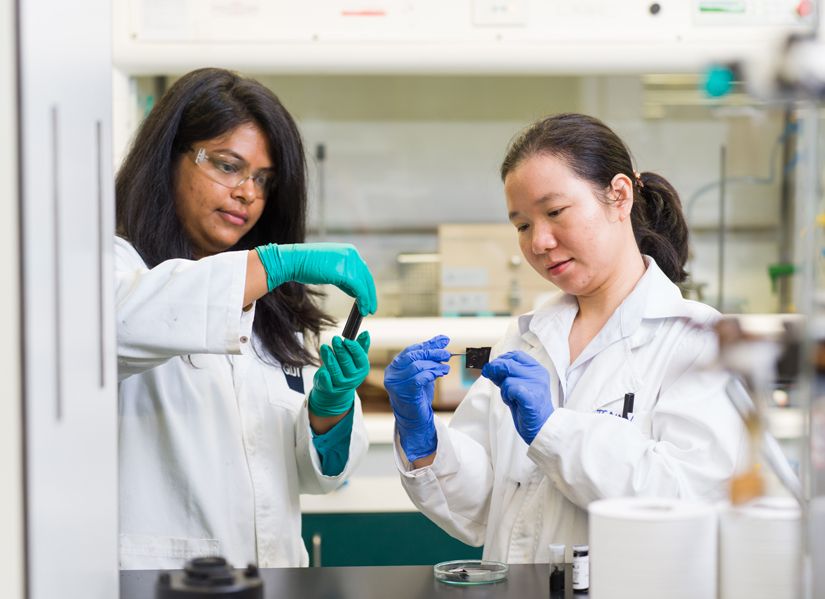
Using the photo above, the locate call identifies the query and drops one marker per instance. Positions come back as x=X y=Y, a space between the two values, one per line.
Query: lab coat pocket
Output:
x=642 y=421
x=155 y=552
x=608 y=396
x=285 y=388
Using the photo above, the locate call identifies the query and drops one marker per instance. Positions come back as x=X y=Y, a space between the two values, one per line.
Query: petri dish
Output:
x=468 y=572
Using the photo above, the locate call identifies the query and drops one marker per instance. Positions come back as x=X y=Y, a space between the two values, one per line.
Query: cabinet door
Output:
x=68 y=329
x=11 y=436
x=380 y=539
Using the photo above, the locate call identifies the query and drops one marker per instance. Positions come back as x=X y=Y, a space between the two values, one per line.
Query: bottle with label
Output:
x=581 y=568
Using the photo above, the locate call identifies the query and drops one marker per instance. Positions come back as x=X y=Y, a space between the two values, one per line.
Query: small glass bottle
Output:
x=556 y=569
x=581 y=568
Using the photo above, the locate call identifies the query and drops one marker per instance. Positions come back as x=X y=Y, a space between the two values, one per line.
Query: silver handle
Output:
x=771 y=450
x=100 y=267
x=58 y=341
x=316 y=550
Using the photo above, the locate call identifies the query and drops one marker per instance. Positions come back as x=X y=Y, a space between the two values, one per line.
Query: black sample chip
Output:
x=476 y=357
x=353 y=323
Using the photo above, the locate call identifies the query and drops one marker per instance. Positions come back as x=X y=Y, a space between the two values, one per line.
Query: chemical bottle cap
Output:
x=556 y=553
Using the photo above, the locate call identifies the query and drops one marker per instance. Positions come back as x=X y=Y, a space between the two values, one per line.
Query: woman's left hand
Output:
x=525 y=388
x=345 y=366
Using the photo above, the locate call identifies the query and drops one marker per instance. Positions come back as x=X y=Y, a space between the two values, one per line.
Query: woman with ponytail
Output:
x=603 y=391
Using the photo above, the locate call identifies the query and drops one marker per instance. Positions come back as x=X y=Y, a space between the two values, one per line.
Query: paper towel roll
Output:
x=759 y=550
x=648 y=548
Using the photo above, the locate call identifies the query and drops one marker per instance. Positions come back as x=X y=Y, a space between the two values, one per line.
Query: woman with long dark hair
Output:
x=603 y=391
x=226 y=411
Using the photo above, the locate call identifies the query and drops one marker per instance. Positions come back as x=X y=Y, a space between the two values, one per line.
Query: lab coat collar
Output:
x=654 y=297
x=559 y=308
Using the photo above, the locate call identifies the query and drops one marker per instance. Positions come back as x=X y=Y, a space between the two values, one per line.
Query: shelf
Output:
x=361 y=495
x=398 y=333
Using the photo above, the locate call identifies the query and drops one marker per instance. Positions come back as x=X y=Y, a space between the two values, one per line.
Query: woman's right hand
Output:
x=337 y=264
x=410 y=382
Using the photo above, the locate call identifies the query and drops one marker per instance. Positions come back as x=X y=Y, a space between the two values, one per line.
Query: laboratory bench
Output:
x=524 y=581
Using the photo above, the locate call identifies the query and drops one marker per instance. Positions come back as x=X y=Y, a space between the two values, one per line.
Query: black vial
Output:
x=557 y=570
x=557 y=579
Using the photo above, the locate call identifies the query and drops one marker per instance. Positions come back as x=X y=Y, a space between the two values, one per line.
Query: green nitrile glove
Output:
x=337 y=264
x=345 y=366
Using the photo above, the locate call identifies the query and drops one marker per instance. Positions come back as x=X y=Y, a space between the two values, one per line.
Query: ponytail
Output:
x=659 y=225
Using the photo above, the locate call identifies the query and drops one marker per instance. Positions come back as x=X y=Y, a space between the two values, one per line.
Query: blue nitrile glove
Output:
x=337 y=264
x=410 y=382
x=525 y=388
x=345 y=366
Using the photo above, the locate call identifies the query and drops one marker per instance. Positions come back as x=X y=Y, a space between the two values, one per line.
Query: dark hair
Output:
x=596 y=154
x=202 y=105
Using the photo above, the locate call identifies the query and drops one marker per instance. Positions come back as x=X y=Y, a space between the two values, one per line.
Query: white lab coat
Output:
x=214 y=446
x=487 y=487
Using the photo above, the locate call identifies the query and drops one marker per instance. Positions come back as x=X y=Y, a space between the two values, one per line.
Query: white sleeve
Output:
x=694 y=447
x=178 y=307
x=455 y=491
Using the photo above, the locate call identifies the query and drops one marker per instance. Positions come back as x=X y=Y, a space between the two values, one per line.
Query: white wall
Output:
x=11 y=490
x=412 y=152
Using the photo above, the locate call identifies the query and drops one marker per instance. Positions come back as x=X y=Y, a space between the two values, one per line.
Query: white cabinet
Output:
x=69 y=380
x=456 y=36
x=12 y=569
